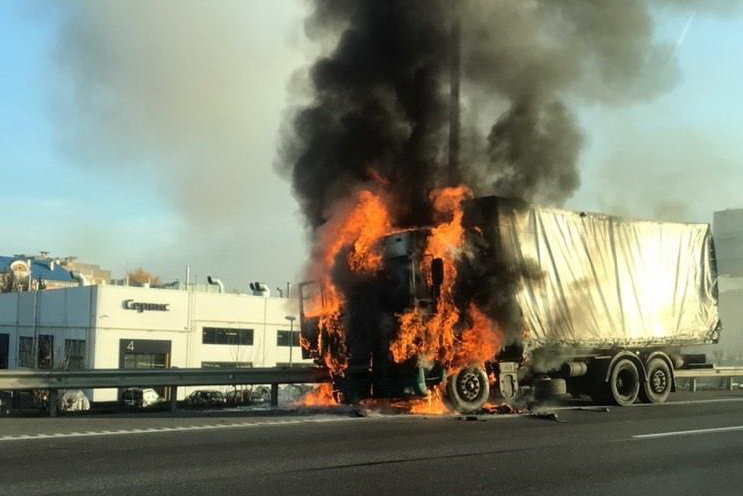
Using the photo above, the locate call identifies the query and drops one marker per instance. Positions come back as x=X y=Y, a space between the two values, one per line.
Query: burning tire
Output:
x=658 y=385
x=624 y=382
x=468 y=390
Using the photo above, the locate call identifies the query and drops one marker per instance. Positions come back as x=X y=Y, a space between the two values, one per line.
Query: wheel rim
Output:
x=468 y=386
x=659 y=381
x=625 y=383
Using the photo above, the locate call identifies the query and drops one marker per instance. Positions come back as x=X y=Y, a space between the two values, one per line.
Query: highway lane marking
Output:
x=642 y=405
x=180 y=428
x=693 y=432
x=690 y=402
x=236 y=425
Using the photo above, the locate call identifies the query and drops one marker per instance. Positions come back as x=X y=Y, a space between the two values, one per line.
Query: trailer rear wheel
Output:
x=624 y=382
x=468 y=389
x=658 y=384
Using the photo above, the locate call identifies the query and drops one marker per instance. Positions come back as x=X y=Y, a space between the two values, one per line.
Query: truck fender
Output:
x=663 y=356
x=629 y=355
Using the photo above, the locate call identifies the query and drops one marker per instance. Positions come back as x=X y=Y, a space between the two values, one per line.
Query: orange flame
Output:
x=433 y=338
x=433 y=404
x=319 y=397
x=352 y=237
x=358 y=224
x=480 y=342
x=355 y=226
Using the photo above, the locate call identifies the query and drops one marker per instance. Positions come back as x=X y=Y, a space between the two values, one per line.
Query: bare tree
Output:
x=141 y=276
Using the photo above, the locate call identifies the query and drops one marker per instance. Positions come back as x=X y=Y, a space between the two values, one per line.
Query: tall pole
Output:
x=455 y=73
x=291 y=319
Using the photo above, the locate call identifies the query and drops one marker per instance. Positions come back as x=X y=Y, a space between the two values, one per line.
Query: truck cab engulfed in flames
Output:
x=405 y=285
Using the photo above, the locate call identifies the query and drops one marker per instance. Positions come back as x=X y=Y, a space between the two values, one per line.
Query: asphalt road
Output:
x=681 y=448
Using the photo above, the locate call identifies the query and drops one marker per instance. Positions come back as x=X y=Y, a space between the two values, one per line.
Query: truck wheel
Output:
x=658 y=384
x=468 y=389
x=549 y=388
x=624 y=382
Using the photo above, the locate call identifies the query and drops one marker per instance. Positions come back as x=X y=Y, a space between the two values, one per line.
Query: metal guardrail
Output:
x=722 y=372
x=54 y=380
x=118 y=378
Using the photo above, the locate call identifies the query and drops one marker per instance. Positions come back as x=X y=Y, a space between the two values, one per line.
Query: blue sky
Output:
x=679 y=157
x=55 y=204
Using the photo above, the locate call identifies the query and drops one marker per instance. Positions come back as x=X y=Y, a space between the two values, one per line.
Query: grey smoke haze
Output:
x=380 y=93
x=187 y=95
x=678 y=173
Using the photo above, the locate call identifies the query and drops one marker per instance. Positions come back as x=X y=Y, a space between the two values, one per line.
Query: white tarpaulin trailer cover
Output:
x=607 y=281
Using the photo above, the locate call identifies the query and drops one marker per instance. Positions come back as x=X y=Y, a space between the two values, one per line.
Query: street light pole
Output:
x=291 y=319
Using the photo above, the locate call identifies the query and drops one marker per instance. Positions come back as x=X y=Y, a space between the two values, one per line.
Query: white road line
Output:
x=643 y=405
x=152 y=430
x=690 y=432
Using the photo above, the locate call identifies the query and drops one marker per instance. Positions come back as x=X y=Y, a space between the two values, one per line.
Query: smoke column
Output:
x=180 y=98
x=379 y=107
x=379 y=94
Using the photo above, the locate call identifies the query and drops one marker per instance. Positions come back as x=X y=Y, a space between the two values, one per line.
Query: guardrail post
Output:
x=173 y=398
x=730 y=384
x=51 y=401
x=274 y=395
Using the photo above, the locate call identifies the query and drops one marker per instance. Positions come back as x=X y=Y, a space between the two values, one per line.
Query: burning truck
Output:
x=423 y=289
x=498 y=295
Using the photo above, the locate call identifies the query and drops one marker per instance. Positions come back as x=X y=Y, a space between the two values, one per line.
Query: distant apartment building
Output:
x=92 y=273
x=31 y=272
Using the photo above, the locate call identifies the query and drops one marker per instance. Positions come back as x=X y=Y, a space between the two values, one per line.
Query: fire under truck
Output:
x=588 y=304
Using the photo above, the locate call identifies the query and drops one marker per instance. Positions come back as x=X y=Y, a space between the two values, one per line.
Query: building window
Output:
x=226 y=365
x=145 y=361
x=222 y=335
x=4 y=349
x=283 y=338
x=46 y=351
x=26 y=352
x=144 y=353
x=74 y=352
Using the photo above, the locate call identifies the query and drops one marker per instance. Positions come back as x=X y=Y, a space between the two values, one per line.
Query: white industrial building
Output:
x=136 y=327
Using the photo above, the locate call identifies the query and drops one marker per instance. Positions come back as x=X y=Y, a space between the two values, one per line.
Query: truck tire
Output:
x=468 y=390
x=624 y=382
x=657 y=387
x=549 y=388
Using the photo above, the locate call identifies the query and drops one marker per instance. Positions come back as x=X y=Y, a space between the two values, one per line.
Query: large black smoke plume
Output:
x=379 y=106
x=378 y=103
x=379 y=94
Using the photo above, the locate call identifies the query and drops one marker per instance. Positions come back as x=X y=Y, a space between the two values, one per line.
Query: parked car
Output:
x=140 y=398
x=239 y=397
x=260 y=394
x=5 y=402
x=206 y=398
x=73 y=400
